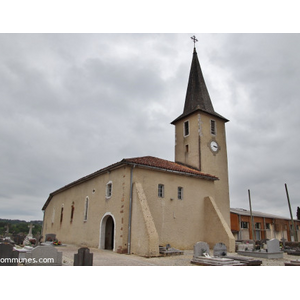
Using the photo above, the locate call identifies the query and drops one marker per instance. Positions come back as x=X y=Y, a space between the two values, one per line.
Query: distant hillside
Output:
x=19 y=226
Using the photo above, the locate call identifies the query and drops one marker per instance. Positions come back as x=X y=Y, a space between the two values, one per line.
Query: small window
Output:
x=257 y=225
x=244 y=225
x=61 y=213
x=109 y=189
x=53 y=215
x=180 y=193
x=86 y=208
x=186 y=128
x=161 y=190
x=268 y=226
x=72 y=212
x=213 y=127
x=186 y=148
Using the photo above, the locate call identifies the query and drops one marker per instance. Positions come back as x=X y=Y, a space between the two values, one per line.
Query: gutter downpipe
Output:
x=240 y=233
x=130 y=212
x=42 y=231
x=252 y=221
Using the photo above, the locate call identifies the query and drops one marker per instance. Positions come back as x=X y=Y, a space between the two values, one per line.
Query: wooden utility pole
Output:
x=293 y=225
x=252 y=222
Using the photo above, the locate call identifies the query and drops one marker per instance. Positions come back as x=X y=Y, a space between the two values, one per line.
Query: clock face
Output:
x=214 y=146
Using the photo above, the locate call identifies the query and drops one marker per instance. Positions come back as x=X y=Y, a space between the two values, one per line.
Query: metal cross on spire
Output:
x=194 y=39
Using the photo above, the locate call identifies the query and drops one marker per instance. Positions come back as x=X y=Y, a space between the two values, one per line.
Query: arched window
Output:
x=108 y=190
x=86 y=208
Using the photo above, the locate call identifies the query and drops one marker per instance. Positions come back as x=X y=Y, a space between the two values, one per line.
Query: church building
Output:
x=138 y=204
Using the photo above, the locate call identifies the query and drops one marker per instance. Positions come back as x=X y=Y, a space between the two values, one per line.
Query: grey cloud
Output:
x=74 y=103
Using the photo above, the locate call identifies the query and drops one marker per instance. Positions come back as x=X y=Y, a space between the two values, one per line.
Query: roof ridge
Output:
x=255 y=213
x=152 y=161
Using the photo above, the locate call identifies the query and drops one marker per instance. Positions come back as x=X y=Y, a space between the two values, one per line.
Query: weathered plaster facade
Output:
x=199 y=154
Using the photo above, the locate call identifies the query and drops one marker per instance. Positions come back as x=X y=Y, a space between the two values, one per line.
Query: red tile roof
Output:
x=167 y=165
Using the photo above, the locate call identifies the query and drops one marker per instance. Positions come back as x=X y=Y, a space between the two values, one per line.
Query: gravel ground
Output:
x=109 y=258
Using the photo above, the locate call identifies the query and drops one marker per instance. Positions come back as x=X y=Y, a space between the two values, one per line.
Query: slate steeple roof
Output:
x=197 y=96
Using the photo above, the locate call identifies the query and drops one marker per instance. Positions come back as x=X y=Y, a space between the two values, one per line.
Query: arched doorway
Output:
x=107 y=232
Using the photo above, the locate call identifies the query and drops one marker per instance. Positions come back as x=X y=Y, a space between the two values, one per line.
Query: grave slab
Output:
x=168 y=251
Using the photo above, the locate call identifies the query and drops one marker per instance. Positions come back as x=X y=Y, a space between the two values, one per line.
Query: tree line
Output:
x=19 y=226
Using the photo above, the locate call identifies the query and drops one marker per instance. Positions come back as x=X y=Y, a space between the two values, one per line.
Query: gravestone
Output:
x=83 y=257
x=43 y=256
x=18 y=239
x=8 y=256
x=220 y=249
x=273 y=246
x=50 y=237
x=200 y=248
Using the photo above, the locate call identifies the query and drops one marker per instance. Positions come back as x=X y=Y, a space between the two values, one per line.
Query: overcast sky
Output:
x=71 y=104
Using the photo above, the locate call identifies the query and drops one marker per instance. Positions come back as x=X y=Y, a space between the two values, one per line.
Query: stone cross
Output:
x=30 y=230
x=7 y=229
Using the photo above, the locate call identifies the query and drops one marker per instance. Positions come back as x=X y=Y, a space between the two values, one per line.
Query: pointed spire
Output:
x=197 y=96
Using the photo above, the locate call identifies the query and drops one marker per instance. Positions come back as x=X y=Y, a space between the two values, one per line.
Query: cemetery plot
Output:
x=272 y=251
x=220 y=257
x=201 y=256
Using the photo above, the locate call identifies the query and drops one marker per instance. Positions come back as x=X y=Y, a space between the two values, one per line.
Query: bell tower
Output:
x=200 y=138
